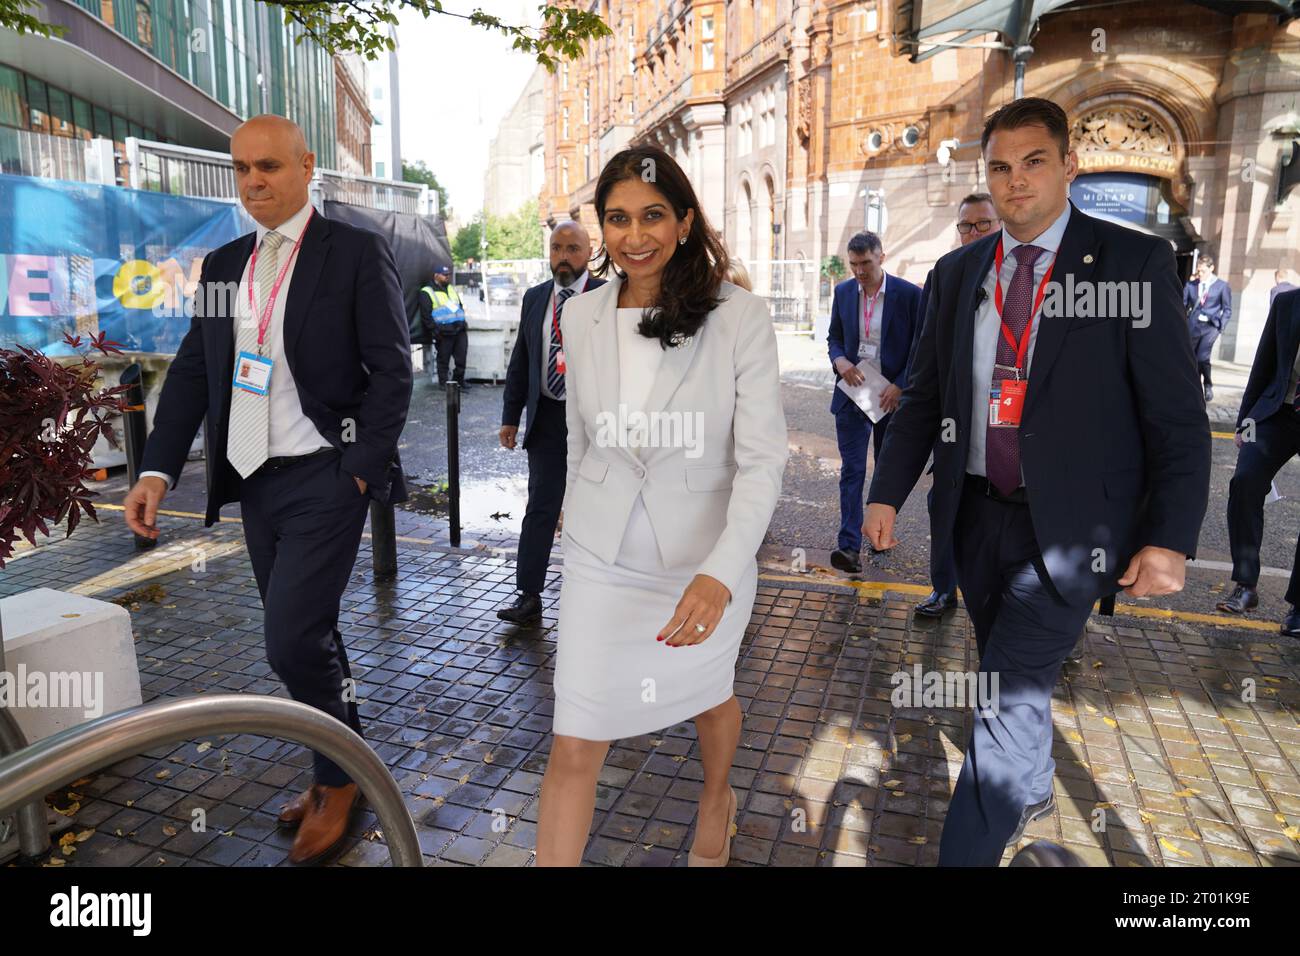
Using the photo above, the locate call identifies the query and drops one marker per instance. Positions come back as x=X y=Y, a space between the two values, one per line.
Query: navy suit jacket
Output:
x=899 y=314
x=353 y=366
x=1270 y=375
x=1217 y=307
x=524 y=374
x=1114 y=441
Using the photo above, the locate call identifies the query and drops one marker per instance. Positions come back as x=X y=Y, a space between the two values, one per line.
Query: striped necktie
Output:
x=1002 y=445
x=250 y=414
x=554 y=377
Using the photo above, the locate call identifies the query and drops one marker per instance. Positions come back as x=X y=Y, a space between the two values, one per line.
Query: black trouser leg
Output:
x=1277 y=440
x=546 y=477
x=460 y=348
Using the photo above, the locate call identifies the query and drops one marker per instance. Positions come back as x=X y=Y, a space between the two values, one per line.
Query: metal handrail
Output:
x=1045 y=853
x=33 y=831
x=48 y=764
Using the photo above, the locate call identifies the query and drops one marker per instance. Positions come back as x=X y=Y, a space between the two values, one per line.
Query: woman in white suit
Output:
x=677 y=445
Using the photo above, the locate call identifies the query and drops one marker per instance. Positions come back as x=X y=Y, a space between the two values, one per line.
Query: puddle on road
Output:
x=489 y=503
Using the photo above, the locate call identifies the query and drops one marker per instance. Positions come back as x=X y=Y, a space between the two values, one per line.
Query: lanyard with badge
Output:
x=1007 y=396
x=866 y=348
x=253 y=370
x=555 y=326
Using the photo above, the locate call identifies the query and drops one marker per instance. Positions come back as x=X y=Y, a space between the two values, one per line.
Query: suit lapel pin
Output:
x=1088 y=258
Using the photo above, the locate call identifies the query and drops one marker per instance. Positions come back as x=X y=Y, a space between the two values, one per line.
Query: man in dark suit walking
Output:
x=1072 y=455
x=1208 y=302
x=873 y=319
x=298 y=362
x=976 y=218
x=1267 y=437
x=535 y=384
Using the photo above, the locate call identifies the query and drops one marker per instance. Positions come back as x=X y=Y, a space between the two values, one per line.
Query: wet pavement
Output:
x=1160 y=760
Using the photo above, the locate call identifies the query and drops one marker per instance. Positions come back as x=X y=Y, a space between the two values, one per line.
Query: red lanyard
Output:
x=555 y=312
x=868 y=313
x=275 y=289
x=1021 y=348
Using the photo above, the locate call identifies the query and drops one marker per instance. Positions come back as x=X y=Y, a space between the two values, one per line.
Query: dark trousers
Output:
x=943 y=567
x=852 y=431
x=1204 y=335
x=303 y=524
x=449 y=346
x=1024 y=631
x=1277 y=440
x=547 y=448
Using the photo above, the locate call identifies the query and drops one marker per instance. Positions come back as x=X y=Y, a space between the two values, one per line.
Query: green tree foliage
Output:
x=516 y=236
x=362 y=26
x=418 y=172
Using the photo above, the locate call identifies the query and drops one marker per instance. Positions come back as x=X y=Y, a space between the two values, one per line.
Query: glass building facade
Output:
x=220 y=46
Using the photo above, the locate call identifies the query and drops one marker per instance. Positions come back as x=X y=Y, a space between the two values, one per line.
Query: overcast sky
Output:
x=446 y=67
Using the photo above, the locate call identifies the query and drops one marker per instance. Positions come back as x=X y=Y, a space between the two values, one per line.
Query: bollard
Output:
x=133 y=428
x=383 y=540
x=453 y=462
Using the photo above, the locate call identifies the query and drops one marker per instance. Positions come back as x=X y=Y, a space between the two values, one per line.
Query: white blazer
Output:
x=709 y=500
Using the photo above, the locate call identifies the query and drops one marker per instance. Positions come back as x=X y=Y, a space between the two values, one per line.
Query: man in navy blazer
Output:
x=1267 y=437
x=1092 y=477
x=1208 y=301
x=535 y=384
x=873 y=317
x=298 y=363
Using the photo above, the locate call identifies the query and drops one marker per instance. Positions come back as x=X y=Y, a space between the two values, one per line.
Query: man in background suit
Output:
x=1091 y=478
x=873 y=318
x=1284 y=280
x=976 y=218
x=535 y=384
x=1208 y=302
x=298 y=361
x=1267 y=437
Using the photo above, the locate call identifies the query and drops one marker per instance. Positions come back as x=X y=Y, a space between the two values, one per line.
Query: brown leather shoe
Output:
x=325 y=825
x=291 y=813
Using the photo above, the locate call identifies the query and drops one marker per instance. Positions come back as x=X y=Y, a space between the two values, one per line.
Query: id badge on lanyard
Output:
x=1007 y=396
x=253 y=369
x=555 y=329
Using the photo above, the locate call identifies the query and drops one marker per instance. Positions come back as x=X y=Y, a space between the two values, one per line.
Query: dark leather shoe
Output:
x=1241 y=600
x=291 y=813
x=527 y=610
x=325 y=825
x=1291 y=623
x=1031 y=813
x=1209 y=394
x=936 y=604
x=843 y=560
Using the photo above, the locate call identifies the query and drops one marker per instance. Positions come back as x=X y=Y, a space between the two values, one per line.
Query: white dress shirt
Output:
x=548 y=338
x=871 y=337
x=291 y=432
x=988 y=330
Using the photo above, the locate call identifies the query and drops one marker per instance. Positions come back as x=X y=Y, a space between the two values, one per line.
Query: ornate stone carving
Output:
x=803 y=126
x=1121 y=136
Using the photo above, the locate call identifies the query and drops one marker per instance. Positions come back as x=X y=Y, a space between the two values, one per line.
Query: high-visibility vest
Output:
x=447 y=307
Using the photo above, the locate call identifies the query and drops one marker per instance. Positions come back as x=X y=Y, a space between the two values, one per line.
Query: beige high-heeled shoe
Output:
x=695 y=859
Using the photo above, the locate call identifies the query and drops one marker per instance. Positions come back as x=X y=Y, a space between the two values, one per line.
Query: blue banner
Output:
x=82 y=258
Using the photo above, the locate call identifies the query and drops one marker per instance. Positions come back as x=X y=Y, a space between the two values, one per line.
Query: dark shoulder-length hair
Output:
x=688 y=291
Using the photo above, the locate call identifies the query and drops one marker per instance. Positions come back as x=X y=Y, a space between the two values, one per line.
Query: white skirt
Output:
x=612 y=678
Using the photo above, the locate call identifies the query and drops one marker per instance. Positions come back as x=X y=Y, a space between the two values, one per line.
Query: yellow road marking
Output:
x=191 y=514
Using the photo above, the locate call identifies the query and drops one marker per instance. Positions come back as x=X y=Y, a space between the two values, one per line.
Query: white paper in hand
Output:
x=867 y=395
x=1273 y=494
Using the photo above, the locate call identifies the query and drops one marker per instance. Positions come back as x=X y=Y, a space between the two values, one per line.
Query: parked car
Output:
x=502 y=290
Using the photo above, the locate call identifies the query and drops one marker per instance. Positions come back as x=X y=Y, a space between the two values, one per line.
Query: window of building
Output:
x=379 y=169
x=564 y=129
x=586 y=105
x=60 y=112
x=564 y=77
x=564 y=175
x=103 y=123
x=11 y=98
x=120 y=130
x=83 y=117
x=143 y=24
x=38 y=106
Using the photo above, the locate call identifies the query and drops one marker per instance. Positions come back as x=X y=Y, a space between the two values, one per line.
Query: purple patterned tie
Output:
x=1002 y=445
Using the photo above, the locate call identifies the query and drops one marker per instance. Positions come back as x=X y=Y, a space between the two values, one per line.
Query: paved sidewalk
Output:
x=1160 y=762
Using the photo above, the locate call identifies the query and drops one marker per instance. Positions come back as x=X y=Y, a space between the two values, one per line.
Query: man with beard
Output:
x=535 y=382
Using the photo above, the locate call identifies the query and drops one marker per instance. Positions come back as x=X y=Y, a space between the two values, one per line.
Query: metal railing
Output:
x=30 y=153
x=33 y=834
x=1045 y=853
x=183 y=171
x=32 y=772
